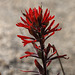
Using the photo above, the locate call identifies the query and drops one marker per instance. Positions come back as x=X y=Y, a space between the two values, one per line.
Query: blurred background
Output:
x=11 y=47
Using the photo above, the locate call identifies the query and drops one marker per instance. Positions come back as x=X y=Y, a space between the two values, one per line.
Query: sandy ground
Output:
x=11 y=47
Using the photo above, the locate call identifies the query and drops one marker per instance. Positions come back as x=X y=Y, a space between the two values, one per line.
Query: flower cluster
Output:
x=39 y=27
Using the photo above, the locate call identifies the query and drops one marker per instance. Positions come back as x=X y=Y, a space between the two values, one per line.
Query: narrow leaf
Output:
x=27 y=52
x=29 y=71
x=39 y=66
x=25 y=56
x=48 y=63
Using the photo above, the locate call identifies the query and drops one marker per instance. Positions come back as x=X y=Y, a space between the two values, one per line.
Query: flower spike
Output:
x=40 y=27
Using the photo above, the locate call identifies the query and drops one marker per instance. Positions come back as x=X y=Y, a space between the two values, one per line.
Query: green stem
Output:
x=61 y=64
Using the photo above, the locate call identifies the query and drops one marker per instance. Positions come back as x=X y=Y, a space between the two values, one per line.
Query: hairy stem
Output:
x=43 y=57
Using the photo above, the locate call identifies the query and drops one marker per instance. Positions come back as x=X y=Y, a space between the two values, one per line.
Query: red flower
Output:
x=37 y=23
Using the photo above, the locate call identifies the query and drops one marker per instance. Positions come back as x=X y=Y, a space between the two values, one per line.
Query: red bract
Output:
x=29 y=54
x=39 y=27
x=26 y=41
x=36 y=22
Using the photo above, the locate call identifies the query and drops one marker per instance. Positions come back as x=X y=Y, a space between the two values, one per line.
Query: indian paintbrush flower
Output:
x=38 y=26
